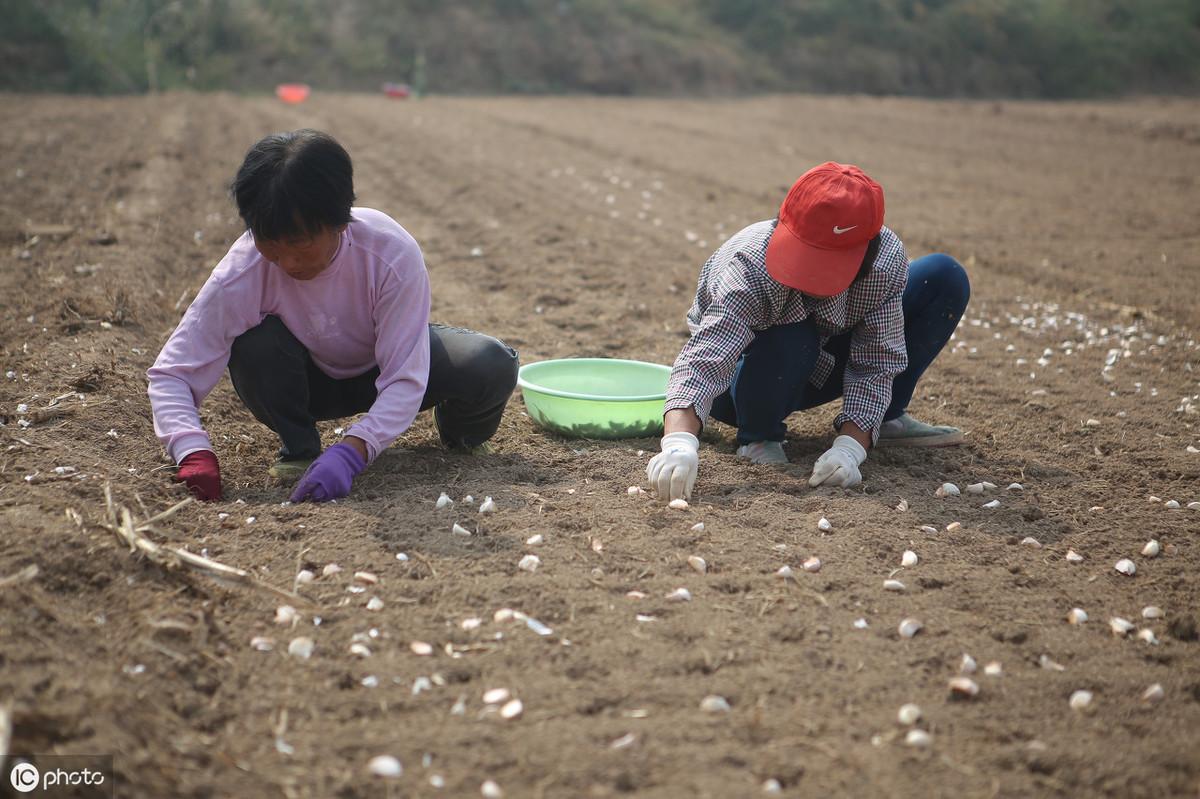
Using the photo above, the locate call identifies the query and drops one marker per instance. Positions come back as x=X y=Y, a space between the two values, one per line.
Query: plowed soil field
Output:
x=576 y=227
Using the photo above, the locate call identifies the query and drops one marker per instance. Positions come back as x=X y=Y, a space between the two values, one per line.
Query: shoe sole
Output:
x=940 y=440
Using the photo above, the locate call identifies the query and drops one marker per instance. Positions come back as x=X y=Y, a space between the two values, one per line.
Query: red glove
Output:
x=201 y=474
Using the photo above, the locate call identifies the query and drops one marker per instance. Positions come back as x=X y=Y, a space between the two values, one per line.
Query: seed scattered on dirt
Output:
x=421 y=648
x=301 y=647
x=385 y=766
x=1120 y=627
x=918 y=739
x=512 y=709
x=963 y=688
x=1080 y=700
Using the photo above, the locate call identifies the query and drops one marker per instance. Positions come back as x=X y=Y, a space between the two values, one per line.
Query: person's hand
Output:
x=329 y=476
x=839 y=465
x=200 y=472
x=672 y=472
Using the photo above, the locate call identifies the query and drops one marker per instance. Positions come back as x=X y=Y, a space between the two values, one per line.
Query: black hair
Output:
x=868 y=260
x=294 y=184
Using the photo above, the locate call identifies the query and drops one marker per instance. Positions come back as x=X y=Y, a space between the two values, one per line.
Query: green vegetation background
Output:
x=969 y=48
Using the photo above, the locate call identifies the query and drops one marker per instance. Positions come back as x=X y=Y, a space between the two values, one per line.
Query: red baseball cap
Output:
x=825 y=224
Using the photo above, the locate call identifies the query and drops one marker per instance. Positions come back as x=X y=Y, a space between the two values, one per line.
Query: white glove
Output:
x=672 y=472
x=839 y=465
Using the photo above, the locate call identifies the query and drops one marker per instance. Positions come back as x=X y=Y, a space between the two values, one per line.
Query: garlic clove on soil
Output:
x=908 y=714
x=385 y=766
x=893 y=585
x=1172 y=504
x=331 y=569
x=1080 y=700
x=953 y=527
x=286 y=615
x=534 y=540
x=1073 y=557
x=975 y=488
x=495 y=696
x=698 y=527
x=909 y=627
x=301 y=647
x=262 y=643
x=1148 y=636
x=366 y=577
x=1049 y=665
x=490 y=790
x=679 y=595
x=926 y=528
x=963 y=688
x=305 y=576
x=635 y=491
x=458 y=529
x=443 y=501
x=714 y=704
x=374 y=603
x=786 y=573
x=529 y=563
x=1015 y=487
x=421 y=648
x=967 y=666
x=824 y=525
x=1030 y=541
x=1077 y=616
x=1120 y=627
x=1153 y=694
x=902 y=506
x=995 y=503
x=698 y=564
x=1151 y=549
x=947 y=490
x=918 y=738
x=487 y=506
x=1126 y=566
x=1152 y=612
x=360 y=650
x=512 y=709
x=813 y=565
x=678 y=504
x=993 y=669
x=909 y=558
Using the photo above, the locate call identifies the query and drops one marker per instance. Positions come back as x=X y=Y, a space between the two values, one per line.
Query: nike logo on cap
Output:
x=837 y=231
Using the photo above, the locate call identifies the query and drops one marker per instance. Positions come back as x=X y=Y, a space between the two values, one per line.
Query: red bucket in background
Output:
x=292 y=92
x=396 y=90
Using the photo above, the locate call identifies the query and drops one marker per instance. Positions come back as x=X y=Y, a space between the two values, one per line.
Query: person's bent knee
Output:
x=494 y=365
x=950 y=277
x=264 y=342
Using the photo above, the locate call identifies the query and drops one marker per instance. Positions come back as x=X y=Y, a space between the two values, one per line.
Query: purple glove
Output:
x=330 y=475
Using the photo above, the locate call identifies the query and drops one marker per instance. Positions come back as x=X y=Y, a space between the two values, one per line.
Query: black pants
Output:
x=471 y=377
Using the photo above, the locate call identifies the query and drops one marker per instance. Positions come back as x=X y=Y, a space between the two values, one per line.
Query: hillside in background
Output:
x=968 y=48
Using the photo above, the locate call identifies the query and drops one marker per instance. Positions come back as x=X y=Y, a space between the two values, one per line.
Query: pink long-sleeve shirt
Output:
x=370 y=307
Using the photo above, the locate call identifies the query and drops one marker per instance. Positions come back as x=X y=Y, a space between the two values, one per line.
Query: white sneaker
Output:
x=763 y=452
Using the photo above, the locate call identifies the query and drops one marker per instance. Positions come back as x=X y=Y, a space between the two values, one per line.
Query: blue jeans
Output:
x=771 y=378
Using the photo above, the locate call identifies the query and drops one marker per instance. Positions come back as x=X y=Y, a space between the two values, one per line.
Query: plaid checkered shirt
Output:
x=735 y=297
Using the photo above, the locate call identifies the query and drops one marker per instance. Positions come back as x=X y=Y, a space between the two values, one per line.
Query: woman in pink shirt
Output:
x=320 y=310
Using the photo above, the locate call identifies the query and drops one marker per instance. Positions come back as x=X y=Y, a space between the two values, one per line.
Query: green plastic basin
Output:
x=595 y=397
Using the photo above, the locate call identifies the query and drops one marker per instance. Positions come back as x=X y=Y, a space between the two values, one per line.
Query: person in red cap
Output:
x=794 y=312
